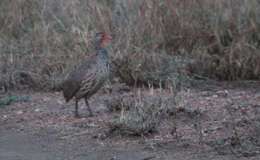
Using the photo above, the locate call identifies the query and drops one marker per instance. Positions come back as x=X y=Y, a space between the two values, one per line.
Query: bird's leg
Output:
x=89 y=109
x=76 y=109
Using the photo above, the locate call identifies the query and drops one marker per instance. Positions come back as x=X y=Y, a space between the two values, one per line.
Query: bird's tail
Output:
x=58 y=87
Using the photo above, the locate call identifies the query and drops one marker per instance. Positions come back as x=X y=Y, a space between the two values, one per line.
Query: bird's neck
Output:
x=100 y=44
x=101 y=51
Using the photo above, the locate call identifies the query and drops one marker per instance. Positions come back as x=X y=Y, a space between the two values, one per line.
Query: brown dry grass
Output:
x=41 y=41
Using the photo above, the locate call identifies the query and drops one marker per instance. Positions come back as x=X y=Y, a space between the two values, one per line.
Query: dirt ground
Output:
x=44 y=128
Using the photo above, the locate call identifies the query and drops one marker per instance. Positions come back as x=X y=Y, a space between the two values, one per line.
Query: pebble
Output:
x=37 y=110
x=19 y=112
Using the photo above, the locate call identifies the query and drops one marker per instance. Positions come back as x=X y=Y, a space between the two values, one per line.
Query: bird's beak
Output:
x=107 y=37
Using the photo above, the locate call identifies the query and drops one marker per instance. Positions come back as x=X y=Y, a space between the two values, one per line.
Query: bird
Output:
x=89 y=76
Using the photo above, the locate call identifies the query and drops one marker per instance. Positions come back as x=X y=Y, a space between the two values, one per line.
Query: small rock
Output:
x=215 y=96
x=19 y=112
x=205 y=93
x=114 y=158
x=46 y=99
x=100 y=136
x=60 y=102
x=208 y=98
x=222 y=93
x=37 y=110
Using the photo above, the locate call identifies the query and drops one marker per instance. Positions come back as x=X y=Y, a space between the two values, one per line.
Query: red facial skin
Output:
x=104 y=37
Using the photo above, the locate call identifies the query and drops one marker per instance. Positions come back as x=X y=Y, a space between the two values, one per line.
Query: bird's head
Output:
x=100 y=37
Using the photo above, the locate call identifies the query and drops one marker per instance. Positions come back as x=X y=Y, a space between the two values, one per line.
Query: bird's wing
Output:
x=72 y=84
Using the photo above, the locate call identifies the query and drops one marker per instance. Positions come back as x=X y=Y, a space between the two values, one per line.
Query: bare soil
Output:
x=44 y=128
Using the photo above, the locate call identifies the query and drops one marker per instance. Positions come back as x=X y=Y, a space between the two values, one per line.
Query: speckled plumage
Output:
x=88 y=77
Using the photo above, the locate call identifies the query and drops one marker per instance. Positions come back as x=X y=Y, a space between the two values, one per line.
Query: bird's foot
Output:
x=77 y=115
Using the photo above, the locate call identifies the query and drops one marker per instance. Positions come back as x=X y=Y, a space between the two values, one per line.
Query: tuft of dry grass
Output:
x=142 y=112
x=140 y=119
x=41 y=41
x=9 y=98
